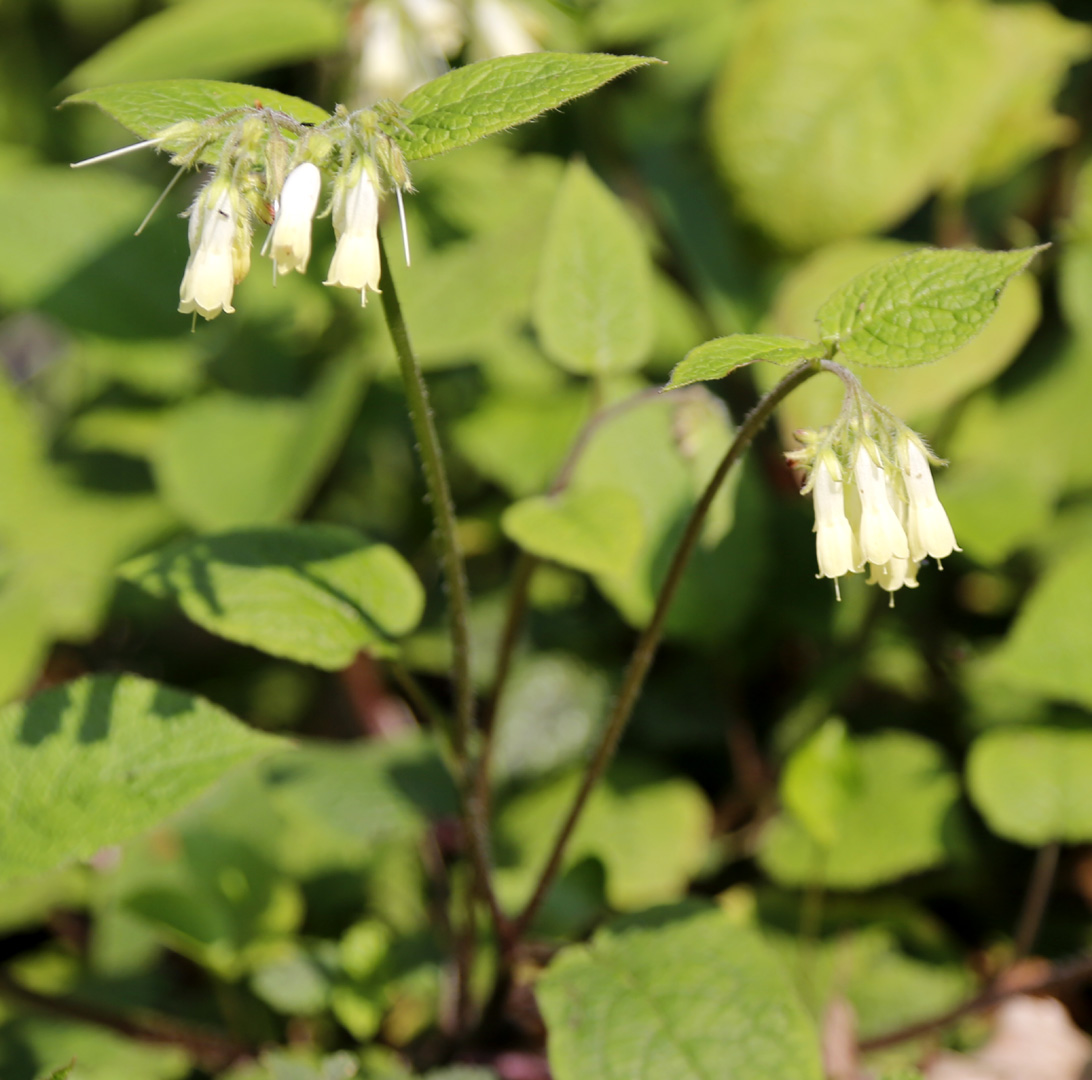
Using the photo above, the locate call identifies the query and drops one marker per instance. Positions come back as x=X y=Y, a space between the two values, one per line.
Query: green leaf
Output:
x=1048 y=647
x=146 y=108
x=896 y=823
x=210 y=38
x=1031 y=784
x=593 y=305
x=719 y=357
x=369 y=791
x=835 y=119
x=689 y=1000
x=483 y=99
x=820 y=781
x=96 y=761
x=225 y=460
x=317 y=594
x=598 y=530
x=649 y=831
x=918 y=307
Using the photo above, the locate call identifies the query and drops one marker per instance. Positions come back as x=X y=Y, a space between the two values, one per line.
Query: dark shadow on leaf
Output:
x=97 y=710
x=42 y=715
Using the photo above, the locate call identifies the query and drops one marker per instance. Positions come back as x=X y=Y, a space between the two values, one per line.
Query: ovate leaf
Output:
x=1031 y=785
x=719 y=357
x=895 y=822
x=209 y=37
x=689 y=1000
x=820 y=781
x=598 y=530
x=146 y=108
x=482 y=99
x=918 y=307
x=317 y=594
x=593 y=305
x=95 y=762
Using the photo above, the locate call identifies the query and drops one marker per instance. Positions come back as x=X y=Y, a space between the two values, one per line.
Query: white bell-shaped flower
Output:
x=219 y=252
x=500 y=29
x=290 y=240
x=835 y=545
x=928 y=529
x=880 y=535
x=355 y=264
x=894 y=575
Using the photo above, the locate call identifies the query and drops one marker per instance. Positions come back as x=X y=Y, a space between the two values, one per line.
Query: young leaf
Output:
x=1031 y=784
x=598 y=530
x=593 y=304
x=317 y=594
x=211 y=38
x=481 y=99
x=721 y=356
x=146 y=108
x=96 y=761
x=687 y=1000
x=918 y=307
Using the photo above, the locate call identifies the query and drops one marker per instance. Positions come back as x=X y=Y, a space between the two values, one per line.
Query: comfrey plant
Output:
x=282 y=162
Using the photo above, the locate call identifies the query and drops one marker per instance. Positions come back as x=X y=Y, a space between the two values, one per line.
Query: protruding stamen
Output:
x=115 y=153
x=159 y=202
x=402 y=219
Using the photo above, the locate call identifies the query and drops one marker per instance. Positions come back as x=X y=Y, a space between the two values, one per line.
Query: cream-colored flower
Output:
x=835 y=546
x=880 y=535
x=501 y=28
x=355 y=264
x=290 y=240
x=928 y=529
x=219 y=251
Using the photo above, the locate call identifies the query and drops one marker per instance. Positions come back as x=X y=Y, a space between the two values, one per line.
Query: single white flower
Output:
x=835 y=546
x=219 y=252
x=290 y=239
x=928 y=529
x=501 y=29
x=440 y=23
x=894 y=575
x=355 y=264
x=880 y=535
x=395 y=57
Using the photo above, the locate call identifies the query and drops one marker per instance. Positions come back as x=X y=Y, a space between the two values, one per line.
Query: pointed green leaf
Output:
x=211 y=38
x=593 y=304
x=95 y=762
x=598 y=530
x=918 y=307
x=689 y=1000
x=146 y=108
x=482 y=99
x=719 y=357
x=317 y=594
x=1031 y=784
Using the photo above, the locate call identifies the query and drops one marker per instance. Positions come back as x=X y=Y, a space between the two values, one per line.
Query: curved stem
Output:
x=458 y=590
x=1035 y=902
x=647 y=644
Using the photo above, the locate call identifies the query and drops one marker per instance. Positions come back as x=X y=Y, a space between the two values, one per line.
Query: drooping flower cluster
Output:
x=270 y=167
x=404 y=43
x=875 y=502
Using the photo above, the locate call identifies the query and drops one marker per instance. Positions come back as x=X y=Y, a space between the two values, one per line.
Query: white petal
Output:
x=880 y=534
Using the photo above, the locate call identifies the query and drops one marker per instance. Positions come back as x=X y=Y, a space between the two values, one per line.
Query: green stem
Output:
x=458 y=591
x=647 y=644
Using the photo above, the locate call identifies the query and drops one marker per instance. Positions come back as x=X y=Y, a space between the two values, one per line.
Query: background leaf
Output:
x=96 y=761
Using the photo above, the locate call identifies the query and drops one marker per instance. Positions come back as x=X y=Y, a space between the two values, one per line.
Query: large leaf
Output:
x=1048 y=647
x=318 y=594
x=95 y=762
x=893 y=822
x=689 y=1000
x=482 y=99
x=1031 y=785
x=721 y=356
x=210 y=38
x=918 y=307
x=593 y=306
x=598 y=530
x=146 y=108
x=834 y=119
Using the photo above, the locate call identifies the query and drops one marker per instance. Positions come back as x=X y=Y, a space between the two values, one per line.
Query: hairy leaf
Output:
x=721 y=356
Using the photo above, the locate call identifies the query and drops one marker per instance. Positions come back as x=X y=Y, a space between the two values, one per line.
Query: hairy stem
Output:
x=474 y=814
x=648 y=642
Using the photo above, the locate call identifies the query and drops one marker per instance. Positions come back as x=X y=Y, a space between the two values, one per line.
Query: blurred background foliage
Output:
x=786 y=146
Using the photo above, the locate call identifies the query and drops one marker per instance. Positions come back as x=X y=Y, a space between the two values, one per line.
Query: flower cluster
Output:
x=875 y=502
x=404 y=43
x=270 y=168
